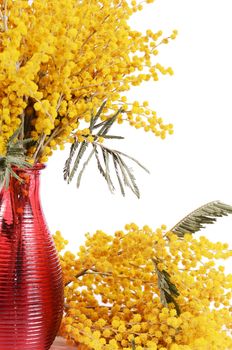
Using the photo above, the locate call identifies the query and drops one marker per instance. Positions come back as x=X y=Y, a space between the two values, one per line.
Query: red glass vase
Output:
x=31 y=282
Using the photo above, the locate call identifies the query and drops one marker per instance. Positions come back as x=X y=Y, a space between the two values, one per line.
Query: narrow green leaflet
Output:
x=68 y=162
x=134 y=160
x=133 y=344
x=100 y=168
x=108 y=123
x=83 y=168
x=96 y=117
x=133 y=185
x=82 y=149
x=123 y=172
x=118 y=175
x=113 y=137
x=106 y=158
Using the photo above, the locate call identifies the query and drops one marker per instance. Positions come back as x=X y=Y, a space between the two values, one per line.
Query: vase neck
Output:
x=28 y=185
x=22 y=198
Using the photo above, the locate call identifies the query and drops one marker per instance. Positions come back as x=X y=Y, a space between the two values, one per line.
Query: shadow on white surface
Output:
x=60 y=344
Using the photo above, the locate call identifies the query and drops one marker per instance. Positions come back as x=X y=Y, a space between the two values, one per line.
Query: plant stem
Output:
x=4 y=16
x=82 y=273
x=54 y=133
x=38 y=150
x=22 y=128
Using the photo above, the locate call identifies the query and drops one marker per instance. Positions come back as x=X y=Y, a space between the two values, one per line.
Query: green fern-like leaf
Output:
x=168 y=290
x=196 y=220
x=122 y=171
x=15 y=156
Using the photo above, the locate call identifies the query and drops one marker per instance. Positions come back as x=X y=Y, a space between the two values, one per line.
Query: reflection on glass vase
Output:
x=31 y=282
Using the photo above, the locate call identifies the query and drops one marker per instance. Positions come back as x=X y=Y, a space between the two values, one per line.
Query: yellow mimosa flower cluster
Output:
x=61 y=59
x=112 y=297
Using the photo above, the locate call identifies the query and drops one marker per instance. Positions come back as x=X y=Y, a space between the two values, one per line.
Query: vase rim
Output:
x=38 y=166
x=35 y=167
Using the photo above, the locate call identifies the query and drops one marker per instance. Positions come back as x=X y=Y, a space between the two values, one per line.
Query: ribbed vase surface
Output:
x=31 y=283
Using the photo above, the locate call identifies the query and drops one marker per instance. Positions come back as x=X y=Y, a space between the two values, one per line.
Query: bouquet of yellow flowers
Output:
x=65 y=69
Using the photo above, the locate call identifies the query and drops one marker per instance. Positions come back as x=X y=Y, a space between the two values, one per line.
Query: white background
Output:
x=189 y=168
